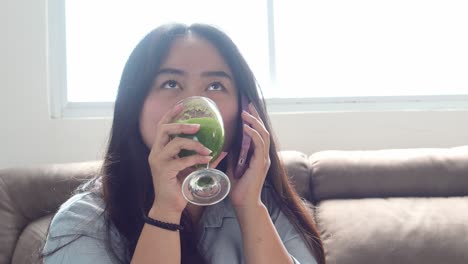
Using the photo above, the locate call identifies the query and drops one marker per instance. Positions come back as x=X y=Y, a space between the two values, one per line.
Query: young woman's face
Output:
x=193 y=67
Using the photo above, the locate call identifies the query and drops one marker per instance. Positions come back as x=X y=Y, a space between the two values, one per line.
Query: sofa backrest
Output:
x=379 y=173
x=390 y=173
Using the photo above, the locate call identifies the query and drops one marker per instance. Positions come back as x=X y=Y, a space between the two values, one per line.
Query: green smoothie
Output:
x=210 y=134
x=205 y=181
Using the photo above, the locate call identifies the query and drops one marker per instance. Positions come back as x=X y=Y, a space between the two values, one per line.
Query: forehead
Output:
x=194 y=53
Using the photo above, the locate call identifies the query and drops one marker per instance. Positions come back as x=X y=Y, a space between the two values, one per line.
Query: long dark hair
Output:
x=126 y=178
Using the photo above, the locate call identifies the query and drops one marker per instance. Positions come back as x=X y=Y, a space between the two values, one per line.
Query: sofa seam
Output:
x=311 y=184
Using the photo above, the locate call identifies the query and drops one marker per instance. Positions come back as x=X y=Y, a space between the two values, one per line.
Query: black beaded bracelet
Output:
x=164 y=225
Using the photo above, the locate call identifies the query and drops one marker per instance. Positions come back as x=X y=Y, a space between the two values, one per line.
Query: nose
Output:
x=193 y=90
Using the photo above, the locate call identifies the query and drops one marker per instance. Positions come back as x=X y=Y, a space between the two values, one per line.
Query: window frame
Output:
x=60 y=108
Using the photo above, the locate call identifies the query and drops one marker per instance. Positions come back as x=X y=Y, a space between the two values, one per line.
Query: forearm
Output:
x=261 y=242
x=158 y=244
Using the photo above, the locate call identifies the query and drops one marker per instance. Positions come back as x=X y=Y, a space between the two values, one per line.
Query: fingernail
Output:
x=207 y=151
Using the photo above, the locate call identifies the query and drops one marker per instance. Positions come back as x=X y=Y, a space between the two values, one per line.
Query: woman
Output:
x=262 y=221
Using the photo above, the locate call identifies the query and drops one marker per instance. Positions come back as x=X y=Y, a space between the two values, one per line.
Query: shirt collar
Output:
x=213 y=215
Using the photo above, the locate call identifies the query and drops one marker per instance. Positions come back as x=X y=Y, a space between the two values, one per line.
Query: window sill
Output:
x=301 y=105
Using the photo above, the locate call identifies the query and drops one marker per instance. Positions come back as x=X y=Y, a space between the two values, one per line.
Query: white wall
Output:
x=28 y=135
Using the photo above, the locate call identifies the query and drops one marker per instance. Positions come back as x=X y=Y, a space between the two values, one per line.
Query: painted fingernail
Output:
x=207 y=158
x=206 y=151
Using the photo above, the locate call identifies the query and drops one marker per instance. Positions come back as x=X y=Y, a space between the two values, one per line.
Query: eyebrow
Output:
x=170 y=71
x=221 y=74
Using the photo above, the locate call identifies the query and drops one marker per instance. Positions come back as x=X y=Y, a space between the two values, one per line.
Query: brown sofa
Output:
x=386 y=206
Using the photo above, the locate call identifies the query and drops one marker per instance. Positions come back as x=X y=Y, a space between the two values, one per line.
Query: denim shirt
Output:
x=219 y=241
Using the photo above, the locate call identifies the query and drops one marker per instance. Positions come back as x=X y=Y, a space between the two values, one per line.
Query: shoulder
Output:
x=272 y=200
x=280 y=219
x=82 y=214
x=285 y=228
x=78 y=233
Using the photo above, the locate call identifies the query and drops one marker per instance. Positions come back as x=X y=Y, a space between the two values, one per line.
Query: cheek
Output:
x=231 y=119
x=150 y=116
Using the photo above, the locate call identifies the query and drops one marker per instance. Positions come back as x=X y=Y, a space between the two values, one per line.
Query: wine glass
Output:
x=204 y=186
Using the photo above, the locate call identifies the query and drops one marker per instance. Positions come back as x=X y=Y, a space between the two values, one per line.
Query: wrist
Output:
x=250 y=210
x=165 y=214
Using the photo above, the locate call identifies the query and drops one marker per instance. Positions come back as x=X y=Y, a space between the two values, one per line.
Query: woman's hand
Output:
x=246 y=191
x=165 y=164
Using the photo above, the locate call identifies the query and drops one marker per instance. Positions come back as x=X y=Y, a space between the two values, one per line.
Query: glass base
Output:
x=206 y=187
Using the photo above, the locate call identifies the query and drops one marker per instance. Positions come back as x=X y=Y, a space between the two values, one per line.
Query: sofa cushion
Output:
x=394 y=230
x=389 y=173
x=31 y=241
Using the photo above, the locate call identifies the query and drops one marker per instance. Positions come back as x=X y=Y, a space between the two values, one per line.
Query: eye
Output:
x=171 y=84
x=216 y=86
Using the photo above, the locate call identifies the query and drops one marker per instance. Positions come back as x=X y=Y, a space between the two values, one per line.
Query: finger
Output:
x=169 y=115
x=255 y=113
x=186 y=162
x=180 y=128
x=167 y=130
x=179 y=143
x=216 y=162
x=258 y=126
x=259 y=144
x=160 y=138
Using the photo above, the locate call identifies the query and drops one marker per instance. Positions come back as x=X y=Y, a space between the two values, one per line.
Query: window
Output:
x=331 y=52
x=355 y=48
x=98 y=46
